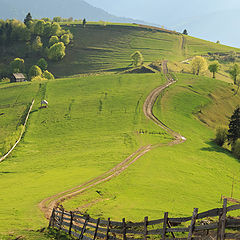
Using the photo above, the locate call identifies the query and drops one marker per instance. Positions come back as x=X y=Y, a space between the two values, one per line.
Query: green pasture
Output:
x=14 y=100
x=91 y=124
x=175 y=178
x=100 y=47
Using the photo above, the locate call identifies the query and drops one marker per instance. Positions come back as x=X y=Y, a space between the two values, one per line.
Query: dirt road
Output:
x=49 y=203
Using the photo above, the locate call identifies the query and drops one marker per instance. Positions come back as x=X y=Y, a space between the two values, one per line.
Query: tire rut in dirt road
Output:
x=49 y=203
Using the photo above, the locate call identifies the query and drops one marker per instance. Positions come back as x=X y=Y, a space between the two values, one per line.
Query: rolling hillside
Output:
x=94 y=122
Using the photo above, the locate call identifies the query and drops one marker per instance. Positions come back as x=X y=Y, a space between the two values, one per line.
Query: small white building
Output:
x=44 y=104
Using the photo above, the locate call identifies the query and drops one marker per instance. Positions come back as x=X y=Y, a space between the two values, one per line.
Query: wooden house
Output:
x=18 y=77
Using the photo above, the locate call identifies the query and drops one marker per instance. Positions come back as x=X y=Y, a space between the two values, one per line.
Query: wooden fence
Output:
x=87 y=228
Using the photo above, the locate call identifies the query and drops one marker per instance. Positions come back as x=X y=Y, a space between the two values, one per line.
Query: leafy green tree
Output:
x=34 y=72
x=55 y=29
x=57 y=19
x=199 y=64
x=234 y=72
x=234 y=127
x=42 y=63
x=39 y=27
x=53 y=40
x=84 y=22
x=56 y=51
x=236 y=149
x=185 y=32
x=65 y=39
x=48 y=75
x=17 y=65
x=47 y=29
x=28 y=19
x=137 y=58
x=37 y=44
x=221 y=136
x=214 y=68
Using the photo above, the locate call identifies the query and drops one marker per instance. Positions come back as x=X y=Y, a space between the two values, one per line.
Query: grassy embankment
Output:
x=176 y=178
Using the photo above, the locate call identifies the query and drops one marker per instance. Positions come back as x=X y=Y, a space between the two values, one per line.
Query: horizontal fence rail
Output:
x=87 y=228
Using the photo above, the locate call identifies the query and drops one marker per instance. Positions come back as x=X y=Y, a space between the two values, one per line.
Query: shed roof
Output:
x=18 y=75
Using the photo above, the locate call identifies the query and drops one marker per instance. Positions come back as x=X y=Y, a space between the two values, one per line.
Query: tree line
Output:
x=41 y=37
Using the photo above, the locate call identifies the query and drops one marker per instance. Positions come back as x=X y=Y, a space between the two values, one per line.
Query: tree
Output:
x=37 y=44
x=84 y=22
x=39 y=27
x=214 y=68
x=28 y=19
x=185 y=32
x=34 y=72
x=199 y=64
x=55 y=29
x=48 y=75
x=42 y=63
x=65 y=39
x=218 y=42
x=56 y=51
x=53 y=40
x=221 y=136
x=234 y=72
x=17 y=65
x=137 y=58
x=234 y=127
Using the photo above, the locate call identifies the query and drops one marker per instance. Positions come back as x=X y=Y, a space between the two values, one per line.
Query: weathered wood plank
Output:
x=165 y=225
x=223 y=219
x=191 y=227
x=145 y=227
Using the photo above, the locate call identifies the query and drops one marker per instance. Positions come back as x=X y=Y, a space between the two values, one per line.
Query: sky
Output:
x=164 y=12
x=203 y=18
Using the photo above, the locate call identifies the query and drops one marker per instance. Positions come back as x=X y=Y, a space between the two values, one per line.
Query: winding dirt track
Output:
x=49 y=203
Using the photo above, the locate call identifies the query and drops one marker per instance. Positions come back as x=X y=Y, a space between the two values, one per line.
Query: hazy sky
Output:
x=164 y=11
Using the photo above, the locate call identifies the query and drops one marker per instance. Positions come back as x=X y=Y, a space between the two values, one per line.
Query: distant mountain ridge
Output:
x=78 y=9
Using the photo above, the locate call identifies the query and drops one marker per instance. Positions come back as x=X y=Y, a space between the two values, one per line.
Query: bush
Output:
x=236 y=149
x=53 y=40
x=221 y=135
x=42 y=63
x=38 y=78
x=57 y=51
x=5 y=79
x=48 y=75
x=65 y=39
x=34 y=72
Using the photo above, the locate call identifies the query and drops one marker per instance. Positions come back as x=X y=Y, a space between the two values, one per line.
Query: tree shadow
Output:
x=213 y=147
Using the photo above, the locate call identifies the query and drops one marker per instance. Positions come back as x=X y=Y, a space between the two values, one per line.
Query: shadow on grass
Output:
x=213 y=147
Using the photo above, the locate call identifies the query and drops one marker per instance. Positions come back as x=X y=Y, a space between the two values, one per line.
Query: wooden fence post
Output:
x=71 y=223
x=108 y=228
x=145 y=227
x=165 y=221
x=222 y=221
x=191 y=227
x=124 y=228
x=84 y=227
x=51 y=221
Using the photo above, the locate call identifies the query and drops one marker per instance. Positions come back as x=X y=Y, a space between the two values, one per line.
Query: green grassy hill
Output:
x=94 y=122
x=100 y=47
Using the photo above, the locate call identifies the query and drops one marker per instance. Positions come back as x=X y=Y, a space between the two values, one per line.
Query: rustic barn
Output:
x=18 y=77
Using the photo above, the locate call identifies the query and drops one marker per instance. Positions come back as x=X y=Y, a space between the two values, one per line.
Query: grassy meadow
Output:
x=91 y=124
x=175 y=178
x=94 y=121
